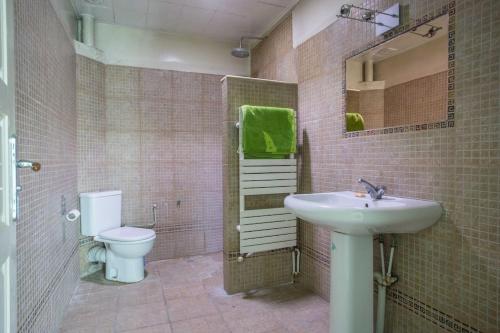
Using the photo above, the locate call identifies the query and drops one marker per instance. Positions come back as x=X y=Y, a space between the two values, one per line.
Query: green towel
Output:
x=268 y=132
x=354 y=122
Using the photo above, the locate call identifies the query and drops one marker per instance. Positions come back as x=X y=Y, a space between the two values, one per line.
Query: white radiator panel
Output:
x=267 y=247
x=268 y=232
x=271 y=228
x=265 y=212
x=262 y=161
x=268 y=176
x=269 y=218
x=268 y=239
x=268 y=190
x=269 y=169
x=270 y=225
x=259 y=177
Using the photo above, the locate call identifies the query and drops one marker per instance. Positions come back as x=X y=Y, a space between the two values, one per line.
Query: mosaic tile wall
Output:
x=155 y=135
x=265 y=268
x=91 y=136
x=449 y=274
x=370 y=104
x=403 y=103
x=274 y=58
x=47 y=261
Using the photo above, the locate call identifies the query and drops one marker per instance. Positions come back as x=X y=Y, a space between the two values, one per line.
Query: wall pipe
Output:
x=383 y=279
x=298 y=261
x=88 y=33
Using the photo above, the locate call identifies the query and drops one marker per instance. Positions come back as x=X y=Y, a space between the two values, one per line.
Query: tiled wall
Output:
x=155 y=135
x=265 y=268
x=93 y=175
x=47 y=261
x=274 y=58
x=449 y=273
x=368 y=103
x=418 y=101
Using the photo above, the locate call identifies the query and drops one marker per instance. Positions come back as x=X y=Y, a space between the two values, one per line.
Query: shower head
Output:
x=241 y=52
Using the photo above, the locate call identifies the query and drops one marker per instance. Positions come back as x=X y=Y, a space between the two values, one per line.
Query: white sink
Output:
x=346 y=213
x=352 y=221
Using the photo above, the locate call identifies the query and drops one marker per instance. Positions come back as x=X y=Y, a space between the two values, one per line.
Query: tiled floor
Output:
x=186 y=295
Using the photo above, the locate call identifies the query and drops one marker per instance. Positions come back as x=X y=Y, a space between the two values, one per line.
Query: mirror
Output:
x=400 y=82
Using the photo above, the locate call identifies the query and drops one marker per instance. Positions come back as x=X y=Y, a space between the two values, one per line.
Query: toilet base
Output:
x=124 y=269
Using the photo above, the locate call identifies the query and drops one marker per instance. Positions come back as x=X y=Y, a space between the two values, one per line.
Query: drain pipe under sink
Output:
x=383 y=281
x=97 y=254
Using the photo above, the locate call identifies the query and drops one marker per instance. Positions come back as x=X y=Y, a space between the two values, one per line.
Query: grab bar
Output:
x=147 y=226
x=155 y=208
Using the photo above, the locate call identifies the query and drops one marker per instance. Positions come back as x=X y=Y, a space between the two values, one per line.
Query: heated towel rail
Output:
x=271 y=228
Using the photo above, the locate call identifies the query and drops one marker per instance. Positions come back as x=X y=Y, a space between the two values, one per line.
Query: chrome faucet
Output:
x=375 y=192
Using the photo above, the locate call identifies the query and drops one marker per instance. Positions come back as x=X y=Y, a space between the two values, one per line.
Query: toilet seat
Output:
x=126 y=234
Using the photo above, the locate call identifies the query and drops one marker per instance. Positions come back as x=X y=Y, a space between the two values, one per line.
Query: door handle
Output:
x=24 y=164
x=13 y=182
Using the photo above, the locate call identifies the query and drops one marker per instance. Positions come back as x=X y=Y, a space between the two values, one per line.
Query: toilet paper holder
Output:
x=72 y=215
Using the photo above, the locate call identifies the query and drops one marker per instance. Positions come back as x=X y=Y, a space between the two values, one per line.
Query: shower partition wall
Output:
x=262 y=269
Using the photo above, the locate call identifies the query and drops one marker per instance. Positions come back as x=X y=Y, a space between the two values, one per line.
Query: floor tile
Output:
x=256 y=321
x=213 y=323
x=165 y=328
x=184 y=291
x=146 y=293
x=139 y=316
x=239 y=302
x=89 y=329
x=190 y=307
x=187 y=295
x=89 y=320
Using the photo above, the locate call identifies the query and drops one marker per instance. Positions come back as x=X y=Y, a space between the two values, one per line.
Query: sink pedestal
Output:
x=356 y=219
x=351 y=284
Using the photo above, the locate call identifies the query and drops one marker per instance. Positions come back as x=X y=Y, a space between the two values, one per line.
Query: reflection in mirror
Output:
x=400 y=82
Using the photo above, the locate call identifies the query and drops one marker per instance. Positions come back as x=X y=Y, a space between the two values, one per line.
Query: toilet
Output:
x=125 y=247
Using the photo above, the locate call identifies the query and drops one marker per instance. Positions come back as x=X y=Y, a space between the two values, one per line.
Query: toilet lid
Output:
x=127 y=234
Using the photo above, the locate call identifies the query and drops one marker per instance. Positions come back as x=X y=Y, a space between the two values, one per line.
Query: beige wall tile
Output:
x=449 y=267
x=47 y=256
x=154 y=134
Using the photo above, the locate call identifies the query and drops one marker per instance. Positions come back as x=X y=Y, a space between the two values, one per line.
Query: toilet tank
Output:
x=101 y=211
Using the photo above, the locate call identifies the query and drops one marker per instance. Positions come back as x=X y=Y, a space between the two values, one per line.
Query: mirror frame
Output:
x=398 y=31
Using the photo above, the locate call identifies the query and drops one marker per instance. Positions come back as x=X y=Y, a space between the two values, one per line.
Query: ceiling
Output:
x=226 y=20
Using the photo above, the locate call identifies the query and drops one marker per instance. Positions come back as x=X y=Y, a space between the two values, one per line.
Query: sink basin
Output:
x=346 y=213
x=352 y=221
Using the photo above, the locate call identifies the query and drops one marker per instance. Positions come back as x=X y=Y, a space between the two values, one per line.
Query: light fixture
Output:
x=367 y=16
x=430 y=33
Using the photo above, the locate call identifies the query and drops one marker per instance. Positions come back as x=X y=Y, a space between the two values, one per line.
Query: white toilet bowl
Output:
x=125 y=246
x=125 y=251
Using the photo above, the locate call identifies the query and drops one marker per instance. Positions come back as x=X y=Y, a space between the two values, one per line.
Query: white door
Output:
x=7 y=171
